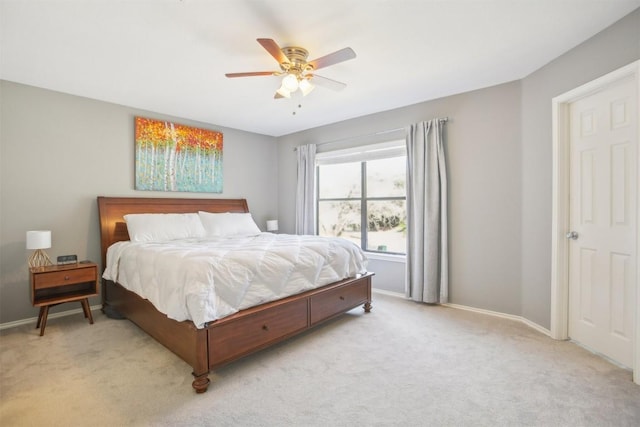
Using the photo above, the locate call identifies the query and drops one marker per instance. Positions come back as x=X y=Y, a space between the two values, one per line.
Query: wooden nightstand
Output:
x=57 y=284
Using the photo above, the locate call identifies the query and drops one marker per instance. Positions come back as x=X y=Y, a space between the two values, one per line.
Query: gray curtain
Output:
x=305 y=190
x=427 y=259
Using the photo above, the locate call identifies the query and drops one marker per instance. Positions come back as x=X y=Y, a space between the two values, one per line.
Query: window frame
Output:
x=361 y=154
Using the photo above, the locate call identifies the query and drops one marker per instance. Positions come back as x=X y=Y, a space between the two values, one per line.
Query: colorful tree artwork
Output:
x=173 y=157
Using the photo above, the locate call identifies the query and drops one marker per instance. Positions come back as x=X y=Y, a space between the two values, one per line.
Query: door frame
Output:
x=560 y=206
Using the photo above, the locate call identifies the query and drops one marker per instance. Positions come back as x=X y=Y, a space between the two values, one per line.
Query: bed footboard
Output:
x=243 y=333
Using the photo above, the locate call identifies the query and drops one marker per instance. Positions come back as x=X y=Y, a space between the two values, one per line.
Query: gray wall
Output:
x=58 y=152
x=483 y=149
x=609 y=50
x=499 y=154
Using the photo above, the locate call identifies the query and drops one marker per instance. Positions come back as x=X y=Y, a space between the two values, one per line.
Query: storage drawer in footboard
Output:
x=240 y=335
x=335 y=301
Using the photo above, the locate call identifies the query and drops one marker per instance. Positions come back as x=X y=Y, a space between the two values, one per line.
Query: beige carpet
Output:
x=403 y=364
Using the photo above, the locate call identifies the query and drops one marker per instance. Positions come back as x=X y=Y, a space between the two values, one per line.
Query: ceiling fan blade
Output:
x=250 y=74
x=277 y=96
x=328 y=83
x=275 y=51
x=333 y=58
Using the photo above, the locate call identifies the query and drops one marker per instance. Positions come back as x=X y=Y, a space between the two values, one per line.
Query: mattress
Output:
x=206 y=279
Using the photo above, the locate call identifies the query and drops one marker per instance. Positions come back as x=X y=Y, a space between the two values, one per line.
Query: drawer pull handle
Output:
x=66 y=277
x=265 y=328
x=341 y=297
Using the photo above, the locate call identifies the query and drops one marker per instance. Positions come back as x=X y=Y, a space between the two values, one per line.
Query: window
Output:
x=362 y=196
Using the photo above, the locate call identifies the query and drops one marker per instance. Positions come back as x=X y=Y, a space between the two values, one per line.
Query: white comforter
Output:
x=206 y=279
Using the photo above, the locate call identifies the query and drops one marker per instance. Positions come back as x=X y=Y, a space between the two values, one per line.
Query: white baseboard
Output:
x=390 y=293
x=374 y=290
x=521 y=319
x=34 y=320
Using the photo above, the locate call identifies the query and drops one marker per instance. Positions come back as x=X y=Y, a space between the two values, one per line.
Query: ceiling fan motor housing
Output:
x=297 y=60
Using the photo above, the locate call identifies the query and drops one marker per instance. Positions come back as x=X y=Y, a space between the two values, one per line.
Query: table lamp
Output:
x=39 y=240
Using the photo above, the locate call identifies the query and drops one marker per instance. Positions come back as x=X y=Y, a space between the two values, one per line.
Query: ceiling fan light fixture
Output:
x=306 y=87
x=283 y=91
x=290 y=82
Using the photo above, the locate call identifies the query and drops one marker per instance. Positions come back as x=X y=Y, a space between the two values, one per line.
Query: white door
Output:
x=602 y=215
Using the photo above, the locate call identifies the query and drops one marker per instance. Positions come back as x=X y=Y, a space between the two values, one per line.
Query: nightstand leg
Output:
x=87 y=310
x=45 y=313
x=84 y=308
x=39 y=317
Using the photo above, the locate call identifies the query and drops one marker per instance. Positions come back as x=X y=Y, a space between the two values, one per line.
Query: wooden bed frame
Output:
x=232 y=337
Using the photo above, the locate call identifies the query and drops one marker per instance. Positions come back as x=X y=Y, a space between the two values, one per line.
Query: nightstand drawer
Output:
x=64 y=277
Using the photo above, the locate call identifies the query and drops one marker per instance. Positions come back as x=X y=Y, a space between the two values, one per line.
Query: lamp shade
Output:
x=272 y=225
x=39 y=239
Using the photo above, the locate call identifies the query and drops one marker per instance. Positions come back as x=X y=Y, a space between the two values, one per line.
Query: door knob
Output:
x=573 y=235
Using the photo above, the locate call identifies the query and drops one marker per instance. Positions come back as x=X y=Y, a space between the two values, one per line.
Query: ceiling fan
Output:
x=297 y=71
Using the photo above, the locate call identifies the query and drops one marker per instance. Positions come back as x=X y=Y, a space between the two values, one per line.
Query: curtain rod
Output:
x=382 y=132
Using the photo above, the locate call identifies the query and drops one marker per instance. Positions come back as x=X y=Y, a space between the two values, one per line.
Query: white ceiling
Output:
x=170 y=56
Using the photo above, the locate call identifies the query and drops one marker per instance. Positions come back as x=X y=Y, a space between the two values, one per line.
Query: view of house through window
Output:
x=362 y=196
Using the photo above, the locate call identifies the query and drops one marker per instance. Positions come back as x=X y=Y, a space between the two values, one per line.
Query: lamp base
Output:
x=39 y=258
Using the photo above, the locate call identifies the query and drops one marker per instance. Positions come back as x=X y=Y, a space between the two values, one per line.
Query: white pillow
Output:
x=163 y=227
x=228 y=224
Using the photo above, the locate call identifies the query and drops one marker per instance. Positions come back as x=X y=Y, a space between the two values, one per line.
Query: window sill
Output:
x=386 y=257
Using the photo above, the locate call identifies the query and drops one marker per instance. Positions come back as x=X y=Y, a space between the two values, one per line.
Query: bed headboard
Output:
x=113 y=209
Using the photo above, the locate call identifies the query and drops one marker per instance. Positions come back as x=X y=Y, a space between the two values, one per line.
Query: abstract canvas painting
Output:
x=174 y=157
